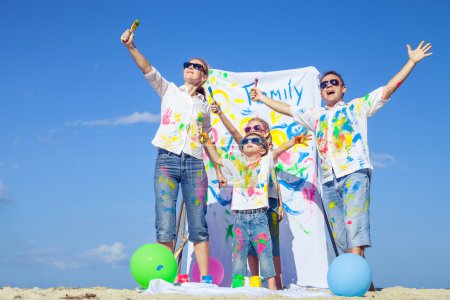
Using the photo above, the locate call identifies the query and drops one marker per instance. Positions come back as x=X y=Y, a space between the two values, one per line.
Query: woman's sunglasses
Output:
x=259 y=128
x=324 y=84
x=196 y=66
x=255 y=140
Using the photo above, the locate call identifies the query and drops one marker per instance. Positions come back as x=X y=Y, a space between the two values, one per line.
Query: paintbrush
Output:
x=133 y=27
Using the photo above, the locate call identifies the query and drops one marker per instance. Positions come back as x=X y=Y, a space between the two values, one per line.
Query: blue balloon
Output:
x=349 y=275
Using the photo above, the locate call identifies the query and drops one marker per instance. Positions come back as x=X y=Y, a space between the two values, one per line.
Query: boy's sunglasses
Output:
x=198 y=67
x=324 y=84
x=255 y=140
x=259 y=128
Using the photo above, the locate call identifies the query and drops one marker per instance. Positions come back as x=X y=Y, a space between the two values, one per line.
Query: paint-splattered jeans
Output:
x=252 y=227
x=274 y=228
x=171 y=171
x=347 y=201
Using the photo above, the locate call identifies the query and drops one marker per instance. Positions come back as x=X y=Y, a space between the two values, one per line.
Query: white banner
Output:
x=302 y=232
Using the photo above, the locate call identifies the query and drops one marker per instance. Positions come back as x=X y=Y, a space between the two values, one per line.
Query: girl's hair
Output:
x=201 y=89
x=269 y=137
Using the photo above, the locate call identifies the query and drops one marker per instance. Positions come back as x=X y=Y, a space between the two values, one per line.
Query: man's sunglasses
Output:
x=198 y=67
x=258 y=127
x=255 y=140
x=324 y=84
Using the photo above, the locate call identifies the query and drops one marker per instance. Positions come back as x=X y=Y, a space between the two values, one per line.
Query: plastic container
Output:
x=238 y=281
x=255 y=281
x=207 y=279
x=182 y=278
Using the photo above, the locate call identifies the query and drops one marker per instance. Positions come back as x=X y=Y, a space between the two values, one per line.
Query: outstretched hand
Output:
x=215 y=108
x=256 y=94
x=127 y=37
x=419 y=53
x=303 y=139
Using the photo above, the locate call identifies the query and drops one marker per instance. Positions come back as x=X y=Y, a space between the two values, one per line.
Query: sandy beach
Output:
x=7 y=293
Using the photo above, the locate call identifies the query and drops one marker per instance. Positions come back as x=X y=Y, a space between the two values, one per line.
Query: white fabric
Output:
x=158 y=286
x=250 y=181
x=302 y=231
x=178 y=129
x=341 y=133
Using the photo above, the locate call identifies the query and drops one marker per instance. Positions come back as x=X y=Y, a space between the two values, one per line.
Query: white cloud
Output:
x=136 y=117
x=4 y=193
x=50 y=135
x=112 y=255
x=384 y=160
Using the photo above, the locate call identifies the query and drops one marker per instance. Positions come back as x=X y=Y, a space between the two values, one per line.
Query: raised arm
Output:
x=414 y=57
x=278 y=106
x=215 y=108
x=300 y=139
x=139 y=59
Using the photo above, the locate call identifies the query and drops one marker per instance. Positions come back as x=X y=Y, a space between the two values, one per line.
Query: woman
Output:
x=179 y=160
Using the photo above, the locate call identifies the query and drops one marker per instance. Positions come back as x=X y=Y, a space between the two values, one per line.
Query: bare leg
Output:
x=168 y=245
x=360 y=252
x=277 y=265
x=201 y=250
x=253 y=264
x=271 y=283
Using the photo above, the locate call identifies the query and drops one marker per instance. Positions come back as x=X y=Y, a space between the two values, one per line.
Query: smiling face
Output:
x=330 y=92
x=254 y=144
x=193 y=76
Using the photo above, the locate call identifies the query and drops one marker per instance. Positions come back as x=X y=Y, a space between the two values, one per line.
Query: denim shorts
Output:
x=274 y=222
x=171 y=172
x=347 y=201
x=253 y=228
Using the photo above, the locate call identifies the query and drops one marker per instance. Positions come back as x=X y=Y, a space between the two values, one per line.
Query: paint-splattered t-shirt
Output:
x=178 y=129
x=341 y=133
x=250 y=181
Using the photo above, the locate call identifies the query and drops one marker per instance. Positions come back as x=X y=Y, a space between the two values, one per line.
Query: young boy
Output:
x=250 y=173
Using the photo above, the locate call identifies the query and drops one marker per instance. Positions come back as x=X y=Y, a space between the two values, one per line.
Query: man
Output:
x=341 y=136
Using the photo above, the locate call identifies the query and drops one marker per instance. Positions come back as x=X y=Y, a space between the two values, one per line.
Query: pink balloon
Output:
x=215 y=270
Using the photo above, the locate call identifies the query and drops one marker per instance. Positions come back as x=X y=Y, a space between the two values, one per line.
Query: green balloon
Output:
x=153 y=261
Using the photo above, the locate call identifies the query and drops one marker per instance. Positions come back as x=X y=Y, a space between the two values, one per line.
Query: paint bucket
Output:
x=182 y=278
x=238 y=281
x=207 y=279
x=255 y=281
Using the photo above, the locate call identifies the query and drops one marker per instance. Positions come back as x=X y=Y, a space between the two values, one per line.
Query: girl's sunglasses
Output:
x=255 y=140
x=259 y=128
x=198 y=67
x=324 y=84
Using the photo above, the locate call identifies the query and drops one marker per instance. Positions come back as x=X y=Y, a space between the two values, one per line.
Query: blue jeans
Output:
x=347 y=201
x=252 y=227
x=274 y=228
x=171 y=171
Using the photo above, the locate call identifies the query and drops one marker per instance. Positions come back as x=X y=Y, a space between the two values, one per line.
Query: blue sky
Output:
x=77 y=118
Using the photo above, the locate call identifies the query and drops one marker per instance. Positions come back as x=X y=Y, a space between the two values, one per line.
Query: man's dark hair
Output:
x=334 y=73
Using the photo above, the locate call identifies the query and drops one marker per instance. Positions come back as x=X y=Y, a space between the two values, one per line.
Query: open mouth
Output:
x=330 y=92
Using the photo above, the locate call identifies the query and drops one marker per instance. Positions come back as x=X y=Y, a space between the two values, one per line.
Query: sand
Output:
x=95 y=293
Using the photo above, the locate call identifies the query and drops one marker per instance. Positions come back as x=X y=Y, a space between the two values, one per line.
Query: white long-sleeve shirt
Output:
x=180 y=112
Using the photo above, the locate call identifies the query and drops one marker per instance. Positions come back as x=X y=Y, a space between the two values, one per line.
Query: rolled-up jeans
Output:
x=171 y=172
x=347 y=201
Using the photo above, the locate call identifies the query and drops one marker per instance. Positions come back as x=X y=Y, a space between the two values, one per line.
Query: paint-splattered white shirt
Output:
x=178 y=130
x=250 y=181
x=341 y=133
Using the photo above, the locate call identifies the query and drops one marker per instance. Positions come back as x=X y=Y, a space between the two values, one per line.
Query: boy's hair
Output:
x=333 y=73
x=264 y=143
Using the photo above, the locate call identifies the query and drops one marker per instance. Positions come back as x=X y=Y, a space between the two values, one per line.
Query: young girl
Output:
x=275 y=212
x=250 y=175
x=179 y=161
